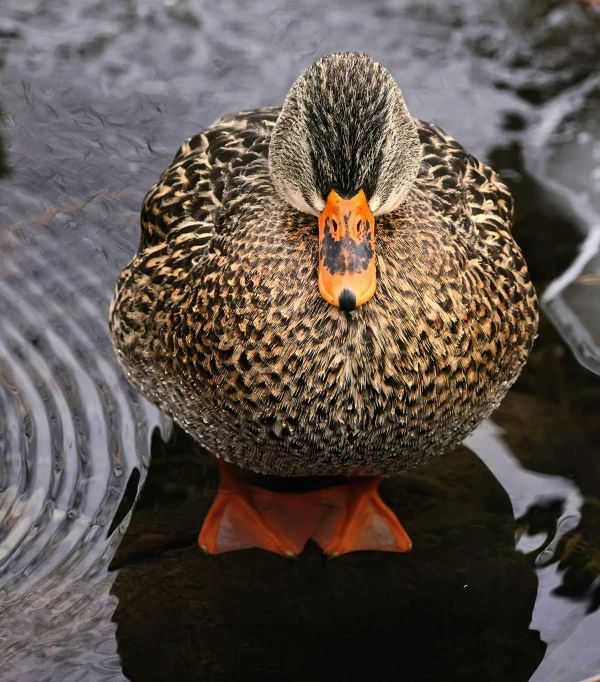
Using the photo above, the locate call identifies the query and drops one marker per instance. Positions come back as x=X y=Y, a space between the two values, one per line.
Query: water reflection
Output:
x=557 y=513
x=573 y=302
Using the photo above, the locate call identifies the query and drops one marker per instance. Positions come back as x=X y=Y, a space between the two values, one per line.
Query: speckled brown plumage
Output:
x=218 y=318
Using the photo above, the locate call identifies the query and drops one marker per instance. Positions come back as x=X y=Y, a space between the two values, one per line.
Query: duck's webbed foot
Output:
x=244 y=516
x=358 y=519
x=342 y=518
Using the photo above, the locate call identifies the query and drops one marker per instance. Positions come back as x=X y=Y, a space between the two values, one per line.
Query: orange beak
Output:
x=347 y=276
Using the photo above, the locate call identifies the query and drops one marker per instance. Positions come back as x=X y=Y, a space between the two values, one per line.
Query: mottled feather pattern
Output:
x=344 y=126
x=218 y=319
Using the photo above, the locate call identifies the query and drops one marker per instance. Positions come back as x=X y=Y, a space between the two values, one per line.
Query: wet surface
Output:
x=503 y=581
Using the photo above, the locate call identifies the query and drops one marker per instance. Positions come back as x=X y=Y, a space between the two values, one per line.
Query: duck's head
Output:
x=345 y=149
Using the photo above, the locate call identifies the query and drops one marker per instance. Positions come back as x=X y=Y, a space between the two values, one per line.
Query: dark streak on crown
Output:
x=346 y=113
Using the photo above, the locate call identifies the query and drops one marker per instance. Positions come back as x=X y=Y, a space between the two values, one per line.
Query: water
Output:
x=503 y=583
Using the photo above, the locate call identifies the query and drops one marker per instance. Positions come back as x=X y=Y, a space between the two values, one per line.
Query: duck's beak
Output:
x=347 y=275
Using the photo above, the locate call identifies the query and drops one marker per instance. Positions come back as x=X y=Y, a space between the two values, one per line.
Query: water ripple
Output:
x=71 y=434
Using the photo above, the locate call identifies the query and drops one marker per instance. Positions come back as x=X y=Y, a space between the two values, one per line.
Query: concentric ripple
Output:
x=71 y=434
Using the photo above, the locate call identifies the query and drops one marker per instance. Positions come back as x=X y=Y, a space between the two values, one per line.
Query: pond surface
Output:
x=503 y=583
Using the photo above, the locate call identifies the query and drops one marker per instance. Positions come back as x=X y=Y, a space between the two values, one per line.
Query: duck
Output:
x=325 y=291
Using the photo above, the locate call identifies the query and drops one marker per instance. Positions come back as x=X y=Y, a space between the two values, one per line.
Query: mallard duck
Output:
x=328 y=288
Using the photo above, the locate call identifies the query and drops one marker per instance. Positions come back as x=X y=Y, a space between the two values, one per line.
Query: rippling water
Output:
x=72 y=433
x=97 y=97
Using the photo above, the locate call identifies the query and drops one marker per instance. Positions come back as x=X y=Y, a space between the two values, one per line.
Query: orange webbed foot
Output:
x=340 y=519
x=244 y=516
x=358 y=519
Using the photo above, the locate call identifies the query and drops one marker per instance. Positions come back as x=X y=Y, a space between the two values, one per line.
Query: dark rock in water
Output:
x=457 y=607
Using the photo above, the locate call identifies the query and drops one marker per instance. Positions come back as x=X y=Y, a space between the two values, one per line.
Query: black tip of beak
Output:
x=347 y=301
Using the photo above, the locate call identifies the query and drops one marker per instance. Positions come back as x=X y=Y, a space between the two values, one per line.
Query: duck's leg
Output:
x=244 y=516
x=358 y=519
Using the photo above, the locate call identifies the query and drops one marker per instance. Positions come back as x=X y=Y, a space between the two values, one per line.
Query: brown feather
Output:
x=219 y=321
